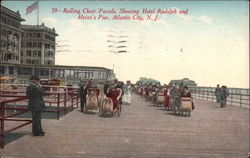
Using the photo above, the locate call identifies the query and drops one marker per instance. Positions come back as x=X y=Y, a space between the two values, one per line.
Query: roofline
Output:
x=38 y=27
x=18 y=16
x=54 y=66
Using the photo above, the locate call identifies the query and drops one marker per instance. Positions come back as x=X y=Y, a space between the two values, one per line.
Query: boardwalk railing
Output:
x=4 y=116
x=10 y=99
x=240 y=98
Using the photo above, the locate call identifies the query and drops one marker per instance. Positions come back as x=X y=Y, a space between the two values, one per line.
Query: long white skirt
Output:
x=126 y=98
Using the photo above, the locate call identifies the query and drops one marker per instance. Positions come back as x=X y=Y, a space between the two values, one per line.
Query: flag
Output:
x=31 y=8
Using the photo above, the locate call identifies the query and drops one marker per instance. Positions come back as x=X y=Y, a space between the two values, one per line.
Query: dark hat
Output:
x=34 y=77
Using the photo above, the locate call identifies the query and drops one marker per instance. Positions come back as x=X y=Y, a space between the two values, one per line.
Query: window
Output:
x=61 y=73
x=39 y=53
x=28 y=53
x=57 y=73
x=11 y=23
x=3 y=44
x=96 y=74
x=11 y=70
x=29 y=35
x=75 y=74
x=9 y=32
x=4 y=33
x=52 y=73
x=91 y=74
x=37 y=61
x=24 y=71
x=71 y=73
x=34 y=53
x=28 y=44
x=2 y=69
x=39 y=45
x=67 y=73
x=9 y=56
x=34 y=44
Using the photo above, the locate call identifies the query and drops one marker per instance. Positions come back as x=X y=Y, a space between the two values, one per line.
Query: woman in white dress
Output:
x=127 y=93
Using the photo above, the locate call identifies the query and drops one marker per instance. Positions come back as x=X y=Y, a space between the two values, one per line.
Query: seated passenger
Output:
x=185 y=92
x=114 y=94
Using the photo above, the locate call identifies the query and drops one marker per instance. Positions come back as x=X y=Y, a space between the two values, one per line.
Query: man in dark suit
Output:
x=83 y=93
x=106 y=87
x=36 y=104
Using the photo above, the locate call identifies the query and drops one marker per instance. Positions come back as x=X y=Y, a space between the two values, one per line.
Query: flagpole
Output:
x=37 y=12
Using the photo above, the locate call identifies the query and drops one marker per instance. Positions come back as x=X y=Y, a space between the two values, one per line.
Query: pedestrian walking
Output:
x=127 y=93
x=175 y=93
x=218 y=93
x=223 y=96
x=82 y=93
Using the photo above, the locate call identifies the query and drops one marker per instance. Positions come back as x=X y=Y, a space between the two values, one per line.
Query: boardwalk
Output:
x=142 y=131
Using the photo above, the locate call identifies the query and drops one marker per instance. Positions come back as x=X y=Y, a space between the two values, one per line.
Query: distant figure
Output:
x=90 y=83
x=36 y=104
x=106 y=86
x=223 y=96
x=83 y=93
x=167 y=97
x=120 y=85
x=217 y=93
x=127 y=93
x=141 y=90
x=186 y=93
x=175 y=94
x=114 y=94
x=115 y=82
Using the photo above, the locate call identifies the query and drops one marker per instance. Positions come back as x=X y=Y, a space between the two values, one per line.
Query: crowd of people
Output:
x=172 y=94
x=119 y=93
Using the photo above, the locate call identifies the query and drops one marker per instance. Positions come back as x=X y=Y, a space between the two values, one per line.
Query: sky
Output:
x=208 y=43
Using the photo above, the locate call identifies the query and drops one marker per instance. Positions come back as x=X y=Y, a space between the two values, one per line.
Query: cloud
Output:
x=63 y=45
x=49 y=20
x=188 y=18
x=205 y=19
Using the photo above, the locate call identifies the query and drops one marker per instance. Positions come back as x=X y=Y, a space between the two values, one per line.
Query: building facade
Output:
x=10 y=46
x=38 y=45
x=21 y=73
x=26 y=50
